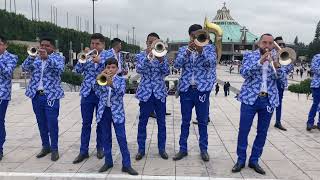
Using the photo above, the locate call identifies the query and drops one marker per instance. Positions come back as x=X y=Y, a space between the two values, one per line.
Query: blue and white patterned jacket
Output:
x=251 y=71
x=117 y=92
x=7 y=64
x=51 y=76
x=152 y=74
x=315 y=68
x=204 y=67
x=286 y=70
x=90 y=72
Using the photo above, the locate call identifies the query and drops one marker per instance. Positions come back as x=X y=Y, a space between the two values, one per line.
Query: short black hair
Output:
x=153 y=34
x=265 y=34
x=194 y=27
x=98 y=36
x=110 y=61
x=50 y=39
x=279 y=38
x=115 y=41
x=3 y=39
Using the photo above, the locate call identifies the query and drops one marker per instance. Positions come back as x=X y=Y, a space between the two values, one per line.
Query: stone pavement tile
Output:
x=8 y=167
x=63 y=168
x=17 y=178
x=231 y=146
x=91 y=165
x=158 y=167
x=218 y=168
x=191 y=171
x=191 y=161
x=308 y=165
x=117 y=169
x=218 y=152
x=270 y=153
x=34 y=167
x=313 y=174
x=286 y=170
x=247 y=172
x=20 y=155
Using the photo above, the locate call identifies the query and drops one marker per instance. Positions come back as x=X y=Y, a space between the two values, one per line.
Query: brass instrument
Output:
x=32 y=51
x=104 y=79
x=158 y=49
x=202 y=37
x=83 y=57
x=218 y=32
x=285 y=55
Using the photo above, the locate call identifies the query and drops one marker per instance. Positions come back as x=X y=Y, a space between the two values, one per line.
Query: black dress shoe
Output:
x=168 y=114
x=309 y=128
x=179 y=156
x=54 y=155
x=279 y=126
x=139 y=156
x=237 y=167
x=80 y=158
x=195 y=122
x=105 y=167
x=100 y=154
x=257 y=168
x=205 y=156
x=153 y=115
x=43 y=152
x=163 y=155
x=1 y=156
x=209 y=119
x=129 y=170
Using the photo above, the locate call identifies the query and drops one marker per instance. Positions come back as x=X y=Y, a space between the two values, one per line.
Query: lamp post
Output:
x=93 y=24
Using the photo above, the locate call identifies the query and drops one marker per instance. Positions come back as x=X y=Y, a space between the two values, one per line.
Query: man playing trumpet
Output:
x=198 y=64
x=45 y=91
x=90 y=67
x=152 y=92
x=8 y=62
x=111 y=111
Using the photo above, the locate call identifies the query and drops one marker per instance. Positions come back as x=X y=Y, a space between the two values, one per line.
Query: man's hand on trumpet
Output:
x=96 y=59
x=43 y=54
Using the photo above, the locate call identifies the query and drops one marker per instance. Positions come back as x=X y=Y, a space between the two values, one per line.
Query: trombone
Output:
x=159 y=49
x=201 y=39
x=285 y=55
x=83 y=57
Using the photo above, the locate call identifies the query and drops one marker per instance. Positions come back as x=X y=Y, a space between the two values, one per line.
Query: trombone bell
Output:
x=287 y=56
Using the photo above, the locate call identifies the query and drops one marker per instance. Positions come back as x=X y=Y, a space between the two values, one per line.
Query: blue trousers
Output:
x=146 y=108
x=199 y=100
x=88 y=105
x=47 y=113
x=279 y=108
x=247 y=113
x=120 y=131
x=314 y=107
x=3 y=110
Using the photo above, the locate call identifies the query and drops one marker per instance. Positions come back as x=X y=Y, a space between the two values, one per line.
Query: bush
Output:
x=19 y=50
x=302 y=88
x=71 y=78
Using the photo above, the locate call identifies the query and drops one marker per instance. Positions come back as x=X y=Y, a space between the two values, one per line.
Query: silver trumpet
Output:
x=201 y=39
x=83 y=57
x=33 y=51
x=159 y=49
x=285 y=55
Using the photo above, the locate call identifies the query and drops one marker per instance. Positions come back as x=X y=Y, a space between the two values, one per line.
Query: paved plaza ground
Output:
x=294 y=154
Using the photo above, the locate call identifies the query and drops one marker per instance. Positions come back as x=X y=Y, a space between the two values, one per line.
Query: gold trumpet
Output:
x=32 y=51
x=285 y=55
x=83 y=57
x=202 y=37
x=159 y=49
x=104 y=79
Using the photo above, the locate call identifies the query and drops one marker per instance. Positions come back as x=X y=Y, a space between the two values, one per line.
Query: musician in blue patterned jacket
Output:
x=89 y=100
x=258 y=95
x=196 y=82
x=45 y=91
x=152 y=93
x=111 y=111
x=315 y=88
x=7 y=64
x=281 y=85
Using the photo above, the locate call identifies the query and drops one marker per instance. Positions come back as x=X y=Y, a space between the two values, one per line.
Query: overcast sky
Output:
x=171 y=18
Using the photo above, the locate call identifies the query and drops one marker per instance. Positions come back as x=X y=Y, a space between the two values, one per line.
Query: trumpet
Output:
x=159 y=49
x=201 y=39
x=285 y=55
x=104 y=79
x=83 y=57
x=32 y=51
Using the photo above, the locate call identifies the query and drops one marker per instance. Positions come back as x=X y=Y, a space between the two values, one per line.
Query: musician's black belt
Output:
x=40 y=92
x=263 y=94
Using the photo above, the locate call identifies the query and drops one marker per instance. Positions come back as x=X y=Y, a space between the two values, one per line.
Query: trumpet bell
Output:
x=201 y=38
x=159 y=48
x=32 y=51
x=82 y=58
x=102 y=80
x=287 y=56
